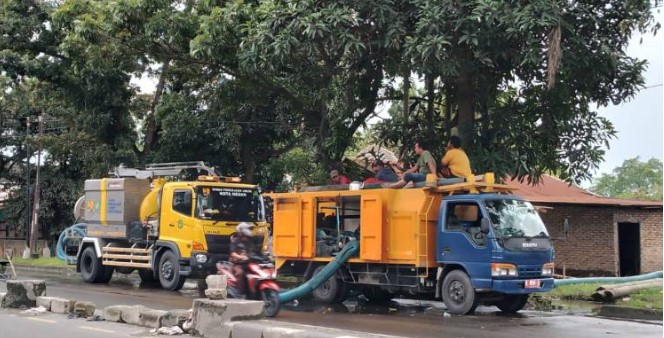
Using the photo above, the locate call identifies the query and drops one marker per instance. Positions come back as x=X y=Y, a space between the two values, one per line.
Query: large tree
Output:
x=634 y=179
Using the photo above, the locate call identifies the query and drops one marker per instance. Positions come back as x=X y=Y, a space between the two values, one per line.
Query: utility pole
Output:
x=28 y=198
x=35 y=207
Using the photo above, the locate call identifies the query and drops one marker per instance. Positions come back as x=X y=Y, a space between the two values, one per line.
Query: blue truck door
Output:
x=461 y=241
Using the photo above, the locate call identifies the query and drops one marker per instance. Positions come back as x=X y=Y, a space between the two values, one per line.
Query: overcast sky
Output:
x=639 y=121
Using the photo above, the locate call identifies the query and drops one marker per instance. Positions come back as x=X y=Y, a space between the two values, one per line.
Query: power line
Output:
x=653 y=86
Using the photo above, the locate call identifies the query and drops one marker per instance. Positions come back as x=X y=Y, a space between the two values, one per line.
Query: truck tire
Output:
x=169 y=272
x=512 y=303
x=458 y=293
x=92 y=270
x=331 y=291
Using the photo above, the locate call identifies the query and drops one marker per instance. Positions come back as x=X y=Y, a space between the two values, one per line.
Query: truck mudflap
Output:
x=522 y=286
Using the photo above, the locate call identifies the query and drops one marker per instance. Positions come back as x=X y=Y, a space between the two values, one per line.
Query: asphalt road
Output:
x=407 y=318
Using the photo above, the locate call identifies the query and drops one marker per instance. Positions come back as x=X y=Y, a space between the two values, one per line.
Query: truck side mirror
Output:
x=484 y=225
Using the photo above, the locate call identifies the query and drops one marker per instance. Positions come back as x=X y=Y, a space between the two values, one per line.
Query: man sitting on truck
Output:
x=242 y=247
x=418 y=173
x=455 y=162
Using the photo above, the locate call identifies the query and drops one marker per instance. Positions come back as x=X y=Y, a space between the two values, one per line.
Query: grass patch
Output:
x=42 y=261
x=650 y=298
x=573 y=292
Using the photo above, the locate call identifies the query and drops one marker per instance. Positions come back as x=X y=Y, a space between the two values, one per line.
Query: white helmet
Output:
x=245 y=229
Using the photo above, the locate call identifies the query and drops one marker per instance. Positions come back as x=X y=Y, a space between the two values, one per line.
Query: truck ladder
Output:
x=134 y=257
x=422 y=235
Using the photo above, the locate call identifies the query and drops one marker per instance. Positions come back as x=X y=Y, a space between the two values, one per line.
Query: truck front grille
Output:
x=530 y=271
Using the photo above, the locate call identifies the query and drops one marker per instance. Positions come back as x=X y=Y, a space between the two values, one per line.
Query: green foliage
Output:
x=650 y=298
x=634 y=179
x=574 y=291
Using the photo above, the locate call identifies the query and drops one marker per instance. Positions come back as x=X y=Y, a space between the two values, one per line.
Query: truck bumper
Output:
x=202 y=270
x=517 y=286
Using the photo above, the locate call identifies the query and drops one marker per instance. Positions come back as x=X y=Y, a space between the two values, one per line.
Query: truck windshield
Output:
x=229 y=204
x=514 y=218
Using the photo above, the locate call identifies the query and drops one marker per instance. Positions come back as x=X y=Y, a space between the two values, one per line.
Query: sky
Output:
x=639 y=121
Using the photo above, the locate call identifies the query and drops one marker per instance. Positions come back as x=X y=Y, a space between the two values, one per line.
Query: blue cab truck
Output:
x=466 y=242
x=507 y=258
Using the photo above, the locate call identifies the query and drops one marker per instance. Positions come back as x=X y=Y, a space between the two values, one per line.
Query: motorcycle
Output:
x=261 y=283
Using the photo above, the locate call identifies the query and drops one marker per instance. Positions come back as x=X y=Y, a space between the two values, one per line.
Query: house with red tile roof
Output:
x=605 y=237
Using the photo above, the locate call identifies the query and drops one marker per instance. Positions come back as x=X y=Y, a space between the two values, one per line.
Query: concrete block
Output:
x=211 y=317
x=151 y=318
x=45 y=302
x=113 y=313
x=216 y=287
x=60 y=305
x=84 y=309
x=175 y=317
x=23 y=293
x=132 y=314
x=2 y=296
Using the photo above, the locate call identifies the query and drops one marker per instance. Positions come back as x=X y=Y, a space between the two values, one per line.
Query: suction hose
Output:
x=75 y=231
x=570 y=281
x=330 y=269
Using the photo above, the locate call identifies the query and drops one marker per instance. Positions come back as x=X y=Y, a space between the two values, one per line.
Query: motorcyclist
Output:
x=242 y=248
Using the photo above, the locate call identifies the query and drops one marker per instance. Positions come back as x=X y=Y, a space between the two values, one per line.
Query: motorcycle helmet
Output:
x=245 y=228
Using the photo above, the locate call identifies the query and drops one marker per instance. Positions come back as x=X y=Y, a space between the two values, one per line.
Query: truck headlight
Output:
x=503 y=270
x=547 y=269
x=201 y=258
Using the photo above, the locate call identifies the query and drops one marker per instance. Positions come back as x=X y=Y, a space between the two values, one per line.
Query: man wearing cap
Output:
x=242 y=246
x=336 y=178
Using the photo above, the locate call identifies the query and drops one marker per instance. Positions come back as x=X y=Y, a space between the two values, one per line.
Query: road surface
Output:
x=407 y=318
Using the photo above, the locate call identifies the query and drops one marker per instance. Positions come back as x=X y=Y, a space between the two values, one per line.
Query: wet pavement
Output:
x=404 y=317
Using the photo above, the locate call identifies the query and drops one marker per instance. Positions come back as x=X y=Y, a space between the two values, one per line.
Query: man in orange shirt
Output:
x=455 y=162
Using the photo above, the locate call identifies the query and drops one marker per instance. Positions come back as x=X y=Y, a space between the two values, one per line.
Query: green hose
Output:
x=330 y=269
x=570 y=281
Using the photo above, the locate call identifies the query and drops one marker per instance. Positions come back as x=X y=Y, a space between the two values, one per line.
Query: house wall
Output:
x=650 y=221
x=591 y=248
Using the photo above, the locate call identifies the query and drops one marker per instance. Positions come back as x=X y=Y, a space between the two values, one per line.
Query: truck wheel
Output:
x=512 y=303
x=169 y=272
x=92 y=270
x=458 y=293
x=147 y=276
x=330 y=291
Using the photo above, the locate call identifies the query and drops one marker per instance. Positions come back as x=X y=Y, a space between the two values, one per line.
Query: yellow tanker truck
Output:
x=168 y=230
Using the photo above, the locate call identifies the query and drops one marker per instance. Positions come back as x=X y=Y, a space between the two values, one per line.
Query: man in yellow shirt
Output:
x=455 y=162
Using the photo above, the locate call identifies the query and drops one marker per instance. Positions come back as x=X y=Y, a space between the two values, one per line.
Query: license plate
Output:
x=532 y=284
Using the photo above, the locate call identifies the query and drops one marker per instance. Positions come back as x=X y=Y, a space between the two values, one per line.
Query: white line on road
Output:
x=42 y=320
x=95 y=329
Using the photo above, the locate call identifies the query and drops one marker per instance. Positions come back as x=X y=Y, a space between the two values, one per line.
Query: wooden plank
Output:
x=127 y=257
x=133 y=265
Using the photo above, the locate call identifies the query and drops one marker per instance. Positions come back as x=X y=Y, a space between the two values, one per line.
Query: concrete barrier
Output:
x=630 y=312
x=23 y=293
x=84 y=309
x=60 y=305
x=132 y=314
x=113 y=313
x=175 y=317
x=212 y=316
x=151 y=318
x=45 y=302
x=2 y=296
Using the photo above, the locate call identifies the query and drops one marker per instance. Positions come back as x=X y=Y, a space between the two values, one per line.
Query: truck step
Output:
x=116 y=249
x=133 y=265
x=127 y=257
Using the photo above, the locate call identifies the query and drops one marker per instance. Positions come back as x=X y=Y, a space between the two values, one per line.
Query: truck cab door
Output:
x=177 y=223
x=460 y=238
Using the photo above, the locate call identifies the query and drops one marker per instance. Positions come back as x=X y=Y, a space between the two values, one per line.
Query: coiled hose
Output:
x=78 y=230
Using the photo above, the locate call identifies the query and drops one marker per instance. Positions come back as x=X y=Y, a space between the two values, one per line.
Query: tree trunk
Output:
x=466 y=103
x=151 y=129
x=248 y=162
x=406 y=95
x=430 y=128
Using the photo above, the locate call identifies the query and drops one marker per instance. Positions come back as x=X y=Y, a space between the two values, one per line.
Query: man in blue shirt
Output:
x=383 y=173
